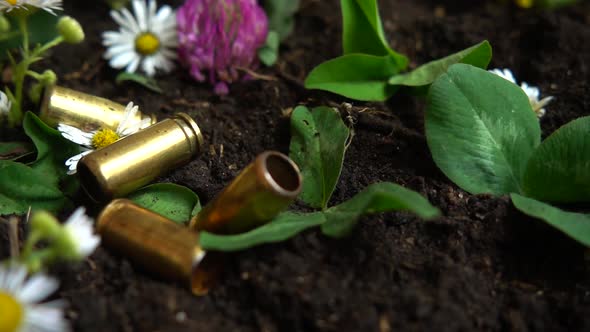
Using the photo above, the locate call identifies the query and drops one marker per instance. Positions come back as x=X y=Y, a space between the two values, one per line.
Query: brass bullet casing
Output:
x=261 y=191
x=81 y=110
x=156 y=243
x=136 y=160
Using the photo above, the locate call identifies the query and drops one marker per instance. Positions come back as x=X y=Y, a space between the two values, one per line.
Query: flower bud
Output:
x=46 y=224
x=70 y=30
x=48 y=77
x=4 y=24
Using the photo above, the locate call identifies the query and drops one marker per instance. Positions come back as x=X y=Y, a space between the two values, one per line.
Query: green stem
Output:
x=24 y=28
x=22 y=69
x=29 y=245
x=35 y=75
x=37 y=259
x=40 y=50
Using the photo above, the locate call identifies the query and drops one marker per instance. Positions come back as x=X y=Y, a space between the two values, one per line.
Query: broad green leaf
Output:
x=145 y=81
x=283 y=227
x=481 y=130
x=575 y=225
x=42 y=28
x=362 y=31
x=317 y=147
x=22 y=186
x=269 y=53
x=379 y=197
x=478 y=55
x=559 y=169
x=281 y=16
x=356 y=76
x=170 y=200
x=15 y=150
x=52 y=149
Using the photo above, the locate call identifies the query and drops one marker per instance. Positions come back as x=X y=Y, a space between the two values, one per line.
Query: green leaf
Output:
x=22 y=186
x=481 y=130
x=281 y=16
x=283 y=227
x=15 y=150
x=147 y=82
x=317 y=147
x=575 y=225
x=196 y=209
x=52 y=149
x=378 y=197
x=170 y=200
x=478 y=55
x=356 y=76
x=269 y=53
x=362 y=31
x=559 y=169
x=336 y=221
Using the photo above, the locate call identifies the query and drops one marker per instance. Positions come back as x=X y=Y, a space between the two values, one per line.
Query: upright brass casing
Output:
x=81 y=110
x=136 y=160
x=261 y=191
x=158 y=244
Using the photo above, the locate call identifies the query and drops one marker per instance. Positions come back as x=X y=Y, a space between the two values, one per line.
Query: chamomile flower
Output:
x=20 y=299
x=47 y=5
x=102 y=137
x=5 y=104
x=144 y=41
x=532 y=92
x=80 y=235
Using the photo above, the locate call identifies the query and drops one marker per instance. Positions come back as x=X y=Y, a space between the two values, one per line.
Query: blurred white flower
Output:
x=5 y=104
x=532 y=92
x=146 y=40
x=20 y=299
x=80 y=230
x=47 y=5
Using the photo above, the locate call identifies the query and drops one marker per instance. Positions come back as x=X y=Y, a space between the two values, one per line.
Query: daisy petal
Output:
x=72 y=163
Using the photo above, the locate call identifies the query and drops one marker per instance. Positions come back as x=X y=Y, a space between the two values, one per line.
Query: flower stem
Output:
x=29 y=245
x=21 y=70
x=24 y=29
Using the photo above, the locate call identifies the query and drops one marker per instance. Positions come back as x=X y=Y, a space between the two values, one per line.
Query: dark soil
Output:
x=481 y=267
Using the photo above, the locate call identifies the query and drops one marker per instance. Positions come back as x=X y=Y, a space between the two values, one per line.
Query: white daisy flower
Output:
x=102 y=137
x=146 y=40
x=47 y=5
x=79 y=228
x=532 y=92
x=5 y=104
x=19 y=302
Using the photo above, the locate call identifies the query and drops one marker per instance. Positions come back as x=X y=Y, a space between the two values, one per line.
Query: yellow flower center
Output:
x=147 y=43
x=12 y=313
x=525 y=3
x=12 y=2
x=104 y=137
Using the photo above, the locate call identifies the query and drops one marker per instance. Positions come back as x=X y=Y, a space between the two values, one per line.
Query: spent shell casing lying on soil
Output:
x=261 y=191
x=158 y=244
x=81 y=110
x=136 y=160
